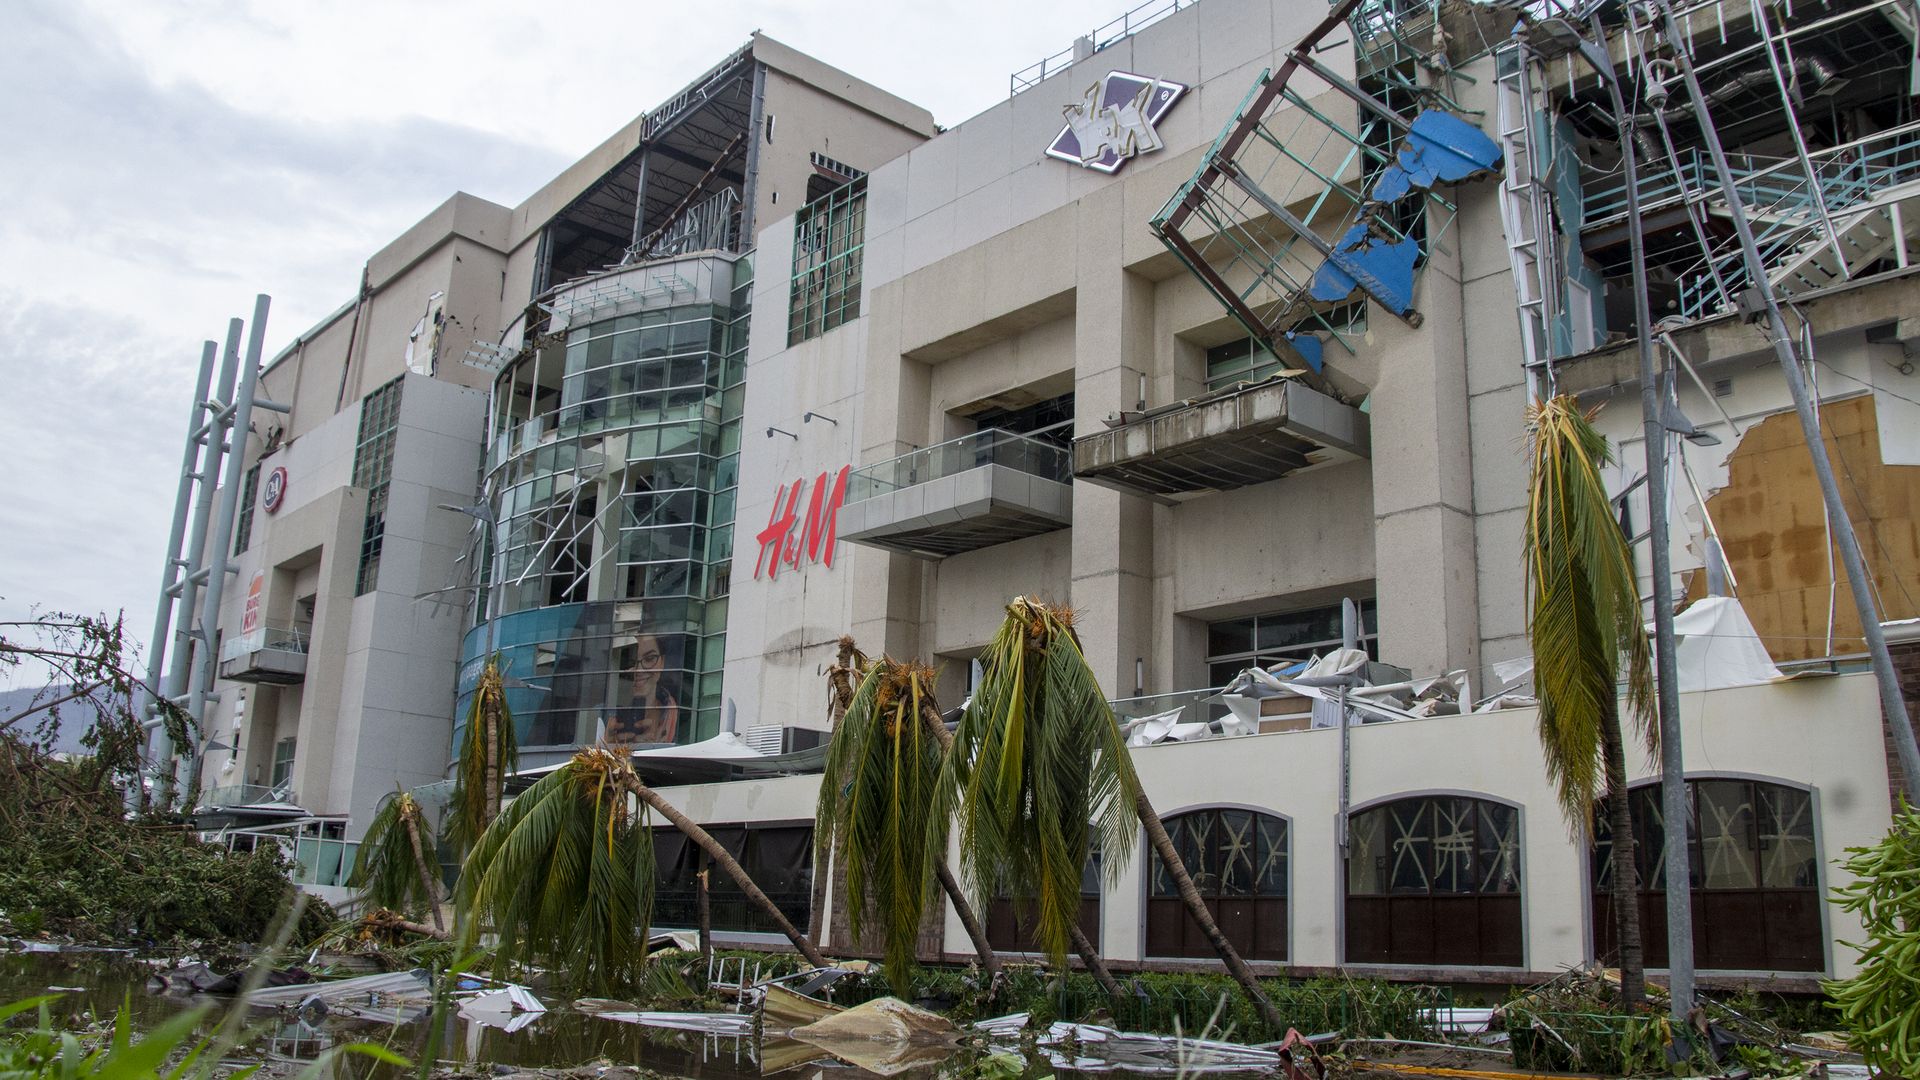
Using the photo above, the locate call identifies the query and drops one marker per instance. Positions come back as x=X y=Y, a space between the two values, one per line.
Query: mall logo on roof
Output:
x=1114 y=121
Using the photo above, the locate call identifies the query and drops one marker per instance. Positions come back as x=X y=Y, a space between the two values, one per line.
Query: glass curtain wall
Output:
x=612 y=471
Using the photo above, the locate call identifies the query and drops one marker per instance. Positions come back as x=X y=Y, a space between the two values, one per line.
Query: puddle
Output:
x=562 y=1037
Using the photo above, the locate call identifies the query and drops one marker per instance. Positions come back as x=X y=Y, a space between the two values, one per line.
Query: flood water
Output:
x=95 y=985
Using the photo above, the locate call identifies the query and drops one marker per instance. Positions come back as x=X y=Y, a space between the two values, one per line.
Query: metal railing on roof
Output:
x=1126 y=25
x=989 y=447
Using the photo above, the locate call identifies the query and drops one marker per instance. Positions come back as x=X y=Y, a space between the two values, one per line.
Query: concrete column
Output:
x=1423 y=480
x=894 y=419
x=1112 y=583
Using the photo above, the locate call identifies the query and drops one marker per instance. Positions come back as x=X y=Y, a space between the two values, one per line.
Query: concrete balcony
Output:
x=275 y=654
x=972 y=492
x=1244 y=435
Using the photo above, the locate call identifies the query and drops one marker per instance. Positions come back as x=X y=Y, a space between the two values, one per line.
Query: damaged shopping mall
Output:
x=1220 y=329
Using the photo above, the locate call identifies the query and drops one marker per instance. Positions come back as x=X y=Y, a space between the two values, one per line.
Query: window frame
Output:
x=1192 y=946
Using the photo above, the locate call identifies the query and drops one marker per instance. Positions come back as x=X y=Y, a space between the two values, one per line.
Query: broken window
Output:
x=1234 y=645
x=828 y=246
x=243 y=528
x=373 y=471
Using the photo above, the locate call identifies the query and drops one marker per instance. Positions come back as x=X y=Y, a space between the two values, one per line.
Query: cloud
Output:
x=141 y=216
x=128 y=178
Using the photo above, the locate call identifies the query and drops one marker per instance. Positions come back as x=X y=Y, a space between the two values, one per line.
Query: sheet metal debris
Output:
x=509 y=1008
x=1096 y=1049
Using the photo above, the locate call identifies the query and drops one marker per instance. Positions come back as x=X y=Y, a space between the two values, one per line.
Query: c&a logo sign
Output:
x=788 y=535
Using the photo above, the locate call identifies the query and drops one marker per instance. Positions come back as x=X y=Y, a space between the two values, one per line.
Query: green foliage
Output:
x=103 y=877
x=1881 y=1005
x=387 y=866
x=881 y=771
x=1036 y=758
x=565 y=875
x=1585 y=615
x=479 y=773
x=50 y=1051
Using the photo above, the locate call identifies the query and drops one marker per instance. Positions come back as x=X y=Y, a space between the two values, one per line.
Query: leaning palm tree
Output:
x=390 y=867
x=565 y=873
x=488 y=752
x=881 y=771
x=1037 y=757
x=1584 y=624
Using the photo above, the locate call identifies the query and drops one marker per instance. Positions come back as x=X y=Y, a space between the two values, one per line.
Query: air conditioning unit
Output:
x=775 y=739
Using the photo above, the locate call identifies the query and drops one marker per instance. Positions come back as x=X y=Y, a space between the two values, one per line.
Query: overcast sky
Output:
x=164 y=162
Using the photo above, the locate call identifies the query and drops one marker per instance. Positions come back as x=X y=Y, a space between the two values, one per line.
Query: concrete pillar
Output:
x=1423 y=480
x=1112 y=583
x=895 y=419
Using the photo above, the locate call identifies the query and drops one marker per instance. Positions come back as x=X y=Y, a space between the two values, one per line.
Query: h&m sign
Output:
x=791 y=540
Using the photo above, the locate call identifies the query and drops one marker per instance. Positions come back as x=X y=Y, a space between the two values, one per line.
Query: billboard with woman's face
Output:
x=645 y=704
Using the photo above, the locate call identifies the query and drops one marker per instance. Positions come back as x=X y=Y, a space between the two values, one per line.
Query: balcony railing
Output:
x=975 y=491
x=287 y=637
x=989 y=447
x=230 y=795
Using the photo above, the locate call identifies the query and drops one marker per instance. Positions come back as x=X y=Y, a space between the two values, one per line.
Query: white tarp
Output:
x=1718 y=647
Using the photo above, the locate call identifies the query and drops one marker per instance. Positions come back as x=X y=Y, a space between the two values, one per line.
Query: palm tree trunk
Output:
x=725 y=861
x=839 y=695
x=495 y=759
x=1626 y=888
x=1197 y=910
x=420 y=866
x=1090 y=956
x=977 y=934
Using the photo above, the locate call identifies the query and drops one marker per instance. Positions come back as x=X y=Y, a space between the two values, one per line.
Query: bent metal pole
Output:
x=240 y=415
x=170 y=571
x=1892 y=704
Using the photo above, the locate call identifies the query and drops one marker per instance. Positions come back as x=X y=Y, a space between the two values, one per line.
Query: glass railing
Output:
x=278 y=636
x=1189 y=702
x=245 y=794
x=989 y=447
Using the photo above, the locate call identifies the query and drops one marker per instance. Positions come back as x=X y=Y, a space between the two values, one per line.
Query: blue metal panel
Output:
x=1440 y=148
x=1363 y=260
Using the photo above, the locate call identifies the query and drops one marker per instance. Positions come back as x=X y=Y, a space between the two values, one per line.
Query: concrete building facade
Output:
x=890 y=379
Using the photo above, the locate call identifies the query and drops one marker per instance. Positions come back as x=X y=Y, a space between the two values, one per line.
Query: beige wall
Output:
x=1783 y=732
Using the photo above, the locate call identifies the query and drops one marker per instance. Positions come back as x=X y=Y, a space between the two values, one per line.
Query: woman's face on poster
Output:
x=645 y=667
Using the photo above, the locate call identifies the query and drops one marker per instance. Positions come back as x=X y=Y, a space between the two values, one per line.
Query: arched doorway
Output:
x=1755 y=870
x=1238 y=861
x=1434 y=880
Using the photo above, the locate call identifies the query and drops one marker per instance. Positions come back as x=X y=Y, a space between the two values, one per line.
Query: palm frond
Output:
x=1039 y=774
x=881 y=769
x=565 y=874
x=1584 y=618
x=385 y=868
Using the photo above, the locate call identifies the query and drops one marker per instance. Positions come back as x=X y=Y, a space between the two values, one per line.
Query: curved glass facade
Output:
x=611 y=473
